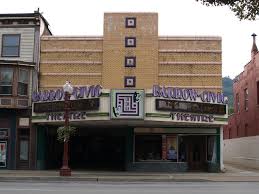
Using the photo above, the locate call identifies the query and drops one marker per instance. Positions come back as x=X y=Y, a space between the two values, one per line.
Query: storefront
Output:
x=161 y=129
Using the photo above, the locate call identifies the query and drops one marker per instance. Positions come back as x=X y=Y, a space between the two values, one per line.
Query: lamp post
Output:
x=65 y=170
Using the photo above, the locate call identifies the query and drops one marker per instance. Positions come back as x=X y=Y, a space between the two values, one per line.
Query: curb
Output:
x=121 y=179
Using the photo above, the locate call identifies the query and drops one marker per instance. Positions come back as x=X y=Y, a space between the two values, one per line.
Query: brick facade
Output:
x=193 y=62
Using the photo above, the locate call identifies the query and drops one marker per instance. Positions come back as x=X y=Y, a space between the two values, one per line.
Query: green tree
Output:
x=64 y=133
x=243 y=9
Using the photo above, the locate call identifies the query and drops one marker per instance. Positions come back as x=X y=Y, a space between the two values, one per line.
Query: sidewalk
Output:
x=231 y=174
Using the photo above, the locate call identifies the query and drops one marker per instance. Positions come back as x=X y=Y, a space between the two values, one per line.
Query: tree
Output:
x=64 y=133
x=243 y=9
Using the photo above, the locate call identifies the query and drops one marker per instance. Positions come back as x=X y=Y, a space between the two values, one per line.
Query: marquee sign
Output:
x=127 y=104
x=75 y=105
x=78 y=92
x=192 y=107
x=187 y=94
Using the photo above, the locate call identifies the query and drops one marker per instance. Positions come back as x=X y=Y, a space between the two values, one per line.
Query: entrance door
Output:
x=23 y=149
x=196 y=152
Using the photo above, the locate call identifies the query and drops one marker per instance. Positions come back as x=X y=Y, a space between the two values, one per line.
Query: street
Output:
x=128 y=188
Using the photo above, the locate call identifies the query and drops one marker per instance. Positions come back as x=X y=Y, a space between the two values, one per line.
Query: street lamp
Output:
x=65 y=170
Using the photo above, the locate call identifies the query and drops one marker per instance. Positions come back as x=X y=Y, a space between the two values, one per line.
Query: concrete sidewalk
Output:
x=231 y=174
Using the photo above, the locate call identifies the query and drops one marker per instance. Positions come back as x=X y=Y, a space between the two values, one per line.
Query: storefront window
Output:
x=211 y=149
x=3 y=151
x=182 y=150
x=148 y=147
x=171 y=146
x=6 y=81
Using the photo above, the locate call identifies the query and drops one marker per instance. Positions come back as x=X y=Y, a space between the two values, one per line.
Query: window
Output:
x=130 y=61
x=211 y=149
x=130 y=22
x=23 y=82
x=148 y=147
x=11 y=45
x=130 y=42
x=258 y=92
x=129 y=81
x=171 y=149
x=237 y=103
x=246 y=98
x=246 y=130
x=24 y=149
x=6 y=81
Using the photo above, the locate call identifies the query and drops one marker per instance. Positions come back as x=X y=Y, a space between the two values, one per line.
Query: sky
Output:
x=175 y=18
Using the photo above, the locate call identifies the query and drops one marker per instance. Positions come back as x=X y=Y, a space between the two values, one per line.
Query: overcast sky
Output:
x=176 y=17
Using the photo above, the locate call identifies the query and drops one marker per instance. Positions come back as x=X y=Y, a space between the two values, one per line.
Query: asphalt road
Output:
x=129 y=188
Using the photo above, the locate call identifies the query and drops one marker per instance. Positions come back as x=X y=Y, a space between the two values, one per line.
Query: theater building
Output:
x=141 y=102
x=19 y=64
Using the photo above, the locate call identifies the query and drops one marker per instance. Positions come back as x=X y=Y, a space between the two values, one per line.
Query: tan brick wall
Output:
x=114 y=50
x=71 y=44
x=181 y=44
x=100 y=60
x=190 y=81
x=190 y=57
x=75 y=59
x=190 y=69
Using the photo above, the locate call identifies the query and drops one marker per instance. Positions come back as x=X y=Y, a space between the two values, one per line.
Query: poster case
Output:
x=3 y=154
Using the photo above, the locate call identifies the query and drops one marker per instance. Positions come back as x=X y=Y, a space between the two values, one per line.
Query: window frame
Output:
x=237 y=103
x=3 y=46
x=18 y=81
x=128 y=38
x=127 y=24
x=126 y=60
x=12 y=84
x=246 y=99
x=129 y=77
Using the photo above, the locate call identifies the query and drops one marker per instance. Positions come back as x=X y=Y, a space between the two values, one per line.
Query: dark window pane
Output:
x=23 y=76
x=22 y=88
x=11 y=40
x=10 y=51
x=6 y=89
x=148 y=147
x=6 y=76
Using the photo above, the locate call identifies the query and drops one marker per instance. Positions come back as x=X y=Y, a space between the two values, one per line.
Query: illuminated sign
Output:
x=56 y=95
x=75 y=105
x=193 y=107
x=188 y=94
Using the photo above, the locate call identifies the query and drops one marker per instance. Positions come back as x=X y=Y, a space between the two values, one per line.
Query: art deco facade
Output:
x=150 y=102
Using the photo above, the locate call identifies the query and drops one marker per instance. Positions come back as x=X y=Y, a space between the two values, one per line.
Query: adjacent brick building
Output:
x=242 y=132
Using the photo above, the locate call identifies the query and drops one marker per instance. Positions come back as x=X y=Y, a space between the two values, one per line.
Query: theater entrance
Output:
x=97 y=152
x=196 y=152
x=88 y=151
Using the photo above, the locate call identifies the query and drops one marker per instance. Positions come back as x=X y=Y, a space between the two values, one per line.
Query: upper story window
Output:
x=6 y=81
x=237 y=103
x=130 y=41
x=10 y=45
x=246 y=98
x=130 y=61
x=23 y=82
x=130 y=22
